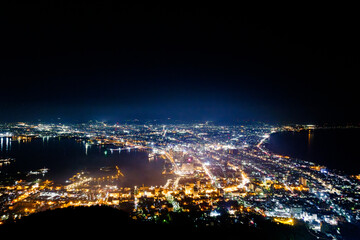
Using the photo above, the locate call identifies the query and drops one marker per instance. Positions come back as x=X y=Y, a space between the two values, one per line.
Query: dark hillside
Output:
x=106 y=221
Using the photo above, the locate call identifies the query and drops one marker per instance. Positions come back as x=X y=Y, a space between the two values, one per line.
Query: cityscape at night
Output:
x=179 y=120
x=206 y=169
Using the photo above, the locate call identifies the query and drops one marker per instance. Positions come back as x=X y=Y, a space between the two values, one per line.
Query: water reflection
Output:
x=66 y=156
x=7 y=144
x=310 y=138
x=334 y=148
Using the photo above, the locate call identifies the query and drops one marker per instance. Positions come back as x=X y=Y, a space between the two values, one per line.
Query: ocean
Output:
x=334 y=148
x=65 y=156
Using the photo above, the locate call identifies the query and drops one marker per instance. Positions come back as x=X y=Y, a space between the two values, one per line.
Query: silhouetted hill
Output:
x=106 y=221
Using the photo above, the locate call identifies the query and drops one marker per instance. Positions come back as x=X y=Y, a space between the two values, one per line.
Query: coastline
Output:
x=331 y=147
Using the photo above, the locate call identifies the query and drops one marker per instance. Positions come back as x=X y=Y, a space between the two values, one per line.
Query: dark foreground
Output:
x=106 y=221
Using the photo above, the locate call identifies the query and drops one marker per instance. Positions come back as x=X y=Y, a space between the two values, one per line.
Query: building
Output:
x=303 y=181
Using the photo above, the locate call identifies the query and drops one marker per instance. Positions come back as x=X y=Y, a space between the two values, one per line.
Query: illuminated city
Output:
x=179 y=120
x=209 y=169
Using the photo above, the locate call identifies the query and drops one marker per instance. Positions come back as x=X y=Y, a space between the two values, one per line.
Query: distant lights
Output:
x=214 y=213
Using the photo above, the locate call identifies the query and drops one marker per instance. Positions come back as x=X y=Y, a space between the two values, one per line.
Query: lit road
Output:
x=208 y=173
x=177 y=170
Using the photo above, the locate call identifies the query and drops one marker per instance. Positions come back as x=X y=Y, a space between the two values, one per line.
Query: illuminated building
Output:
x=303 y=181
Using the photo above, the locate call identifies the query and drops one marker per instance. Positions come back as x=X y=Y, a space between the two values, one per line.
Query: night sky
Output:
x=185 y=62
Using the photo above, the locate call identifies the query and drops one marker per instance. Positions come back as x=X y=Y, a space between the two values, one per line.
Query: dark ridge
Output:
x=107 y=221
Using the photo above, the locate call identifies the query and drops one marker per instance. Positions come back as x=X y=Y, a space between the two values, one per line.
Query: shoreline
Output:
x=264 y=147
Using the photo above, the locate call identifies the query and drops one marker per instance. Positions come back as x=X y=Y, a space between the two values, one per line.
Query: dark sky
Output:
x=219 y=62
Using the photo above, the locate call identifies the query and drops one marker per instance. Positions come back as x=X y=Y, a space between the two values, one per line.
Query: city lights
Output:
x=202 y=174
